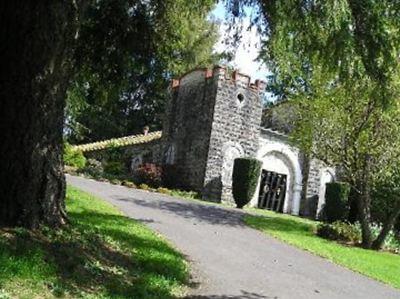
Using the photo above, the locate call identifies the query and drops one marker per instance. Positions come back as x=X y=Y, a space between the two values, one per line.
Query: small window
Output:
x=240 y=97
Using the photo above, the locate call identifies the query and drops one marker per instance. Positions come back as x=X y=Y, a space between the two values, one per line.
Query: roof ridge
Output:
x=119 y=142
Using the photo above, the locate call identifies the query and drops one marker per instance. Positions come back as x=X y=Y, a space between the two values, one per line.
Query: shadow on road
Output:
x=190 y=210
x=244 y=295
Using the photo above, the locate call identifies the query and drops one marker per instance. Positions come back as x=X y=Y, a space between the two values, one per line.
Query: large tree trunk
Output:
x=35 y=45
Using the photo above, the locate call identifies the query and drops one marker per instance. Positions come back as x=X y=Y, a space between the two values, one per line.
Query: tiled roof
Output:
x=274 y=132
x=119 y=142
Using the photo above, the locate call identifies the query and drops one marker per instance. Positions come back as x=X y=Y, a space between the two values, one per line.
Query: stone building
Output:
x=214 y=117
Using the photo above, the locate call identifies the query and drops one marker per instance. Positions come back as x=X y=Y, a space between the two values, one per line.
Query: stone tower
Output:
x=212 y=119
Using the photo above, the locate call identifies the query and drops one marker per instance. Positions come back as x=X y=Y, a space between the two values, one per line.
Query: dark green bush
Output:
x=246 y=172
x=114 y=153
x=169 y=176
x=73 y=157
x=340 y=231
x=93 y=168
x=114 y=167
x=336 y=202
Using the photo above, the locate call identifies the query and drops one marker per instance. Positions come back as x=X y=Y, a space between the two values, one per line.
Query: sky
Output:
x=248 y=49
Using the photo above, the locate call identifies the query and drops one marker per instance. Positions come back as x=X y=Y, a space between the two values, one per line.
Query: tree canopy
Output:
x=339 y=62
x=126 y=54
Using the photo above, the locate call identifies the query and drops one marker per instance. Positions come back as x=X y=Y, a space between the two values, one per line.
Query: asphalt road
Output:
x=230 y=260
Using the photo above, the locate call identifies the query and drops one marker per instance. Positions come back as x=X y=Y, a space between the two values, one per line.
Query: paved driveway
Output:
x=230 y=260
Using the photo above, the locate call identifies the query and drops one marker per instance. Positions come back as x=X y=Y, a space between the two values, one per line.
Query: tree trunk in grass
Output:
x=364 y=204
x=365 y=219
x=387 y=226
x=36 y=38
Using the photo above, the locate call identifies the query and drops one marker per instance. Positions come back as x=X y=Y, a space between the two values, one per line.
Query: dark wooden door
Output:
x=272 y=191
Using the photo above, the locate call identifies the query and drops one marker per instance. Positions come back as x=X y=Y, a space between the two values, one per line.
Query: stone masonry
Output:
x=213 y=117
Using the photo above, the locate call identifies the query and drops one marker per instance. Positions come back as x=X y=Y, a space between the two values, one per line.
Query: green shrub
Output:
x=128 y=184
x=336 y=202
x=246 y=172
x=114 y=152
x=385 y=195
x=144 y=187
x=185 y=194
x=340 y=231
x=115 y=182
x=93 y=168
x=149 y=174
x=114 y=167
x=163 y=190
x=392 y=240
x=73 y=157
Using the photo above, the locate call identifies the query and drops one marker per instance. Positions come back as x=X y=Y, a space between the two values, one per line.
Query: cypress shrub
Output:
x=336 y=202
x=244 y=180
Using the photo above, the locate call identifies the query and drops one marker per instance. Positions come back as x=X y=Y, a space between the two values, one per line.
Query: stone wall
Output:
x=187 y=126
x=235 y=131
x=132 y=155
x=312 y=188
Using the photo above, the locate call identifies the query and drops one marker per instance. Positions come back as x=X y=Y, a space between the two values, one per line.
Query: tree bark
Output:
x=387 y=226
x=364 y=204
x=365 y=218
x=36 y=39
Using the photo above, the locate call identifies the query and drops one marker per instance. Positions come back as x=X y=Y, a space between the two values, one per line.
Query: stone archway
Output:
x=283 y=159
x=231 y=151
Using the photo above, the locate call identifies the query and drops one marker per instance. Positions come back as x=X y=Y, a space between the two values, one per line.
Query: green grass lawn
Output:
x=101 y=254
x=299 y=232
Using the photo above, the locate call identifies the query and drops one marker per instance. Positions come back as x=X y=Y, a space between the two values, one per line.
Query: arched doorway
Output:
x=272 y=192
x=281 y=163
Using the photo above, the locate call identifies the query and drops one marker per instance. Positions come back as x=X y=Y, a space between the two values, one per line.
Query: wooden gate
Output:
x=272 y=191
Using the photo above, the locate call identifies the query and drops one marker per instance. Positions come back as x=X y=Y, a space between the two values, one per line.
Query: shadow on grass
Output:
x=86 y=257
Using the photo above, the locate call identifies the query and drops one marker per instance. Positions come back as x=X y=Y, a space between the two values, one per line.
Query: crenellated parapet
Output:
x=222 y=73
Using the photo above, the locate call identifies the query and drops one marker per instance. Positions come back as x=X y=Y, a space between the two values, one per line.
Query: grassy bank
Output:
x=381 y=266
x=101 y=254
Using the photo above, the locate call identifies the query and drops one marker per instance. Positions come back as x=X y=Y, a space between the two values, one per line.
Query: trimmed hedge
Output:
x=246 y=172
x=336 y=202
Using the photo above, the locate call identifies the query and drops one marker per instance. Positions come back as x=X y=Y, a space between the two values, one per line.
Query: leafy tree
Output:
x=386 y=203
x=345 y=129
x=127 y=52
x=339 y=62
